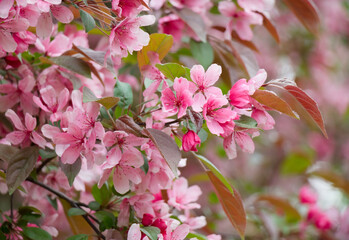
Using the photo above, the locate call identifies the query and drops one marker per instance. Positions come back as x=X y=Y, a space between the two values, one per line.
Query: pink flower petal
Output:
x=30 y=122
x=44 y=26
x=121 y=182
x=7 y=43
x=15 y=119
x=62 y=13
x=16 y=137
x=212 y=74
x=5 y=6
x=71 y=154
x=134 y=233
x=37 y=139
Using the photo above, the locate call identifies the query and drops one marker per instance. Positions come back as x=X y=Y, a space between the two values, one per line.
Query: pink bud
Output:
x=161 y=224
x=190 y=140
x=147 y=219
x=307 y=195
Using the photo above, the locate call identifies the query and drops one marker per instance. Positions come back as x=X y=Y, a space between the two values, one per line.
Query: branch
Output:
x=72 y=203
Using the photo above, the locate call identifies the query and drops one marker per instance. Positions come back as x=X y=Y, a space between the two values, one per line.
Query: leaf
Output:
x=151 y=232
x=107 y=220
x=296 y=163
x=246 y=122
x=127 y=124
x=73 y=64
x=20 y=166
x=306 y=13
x=101 y=195
x=78 y=237
x=36 y=233
x=94 y=205
x=159 y=43
x=77 y=224
x=195 y=22
x=71 y=170
x=123 y=91
x=107 y=102
x=270 y=27
x=196 y=236
x=202 y=52
x=87 y=20
x=283 y=205
x=337 y=180
x=96 y=56
x=167 y=148
x=171 y=70
x=270 y=99
x=215 y=171
x=46 y=154
x=196 y=118
x=7 y=152
x=309 y=105
x=231 y=203
x=76 y=212
x=88 y=95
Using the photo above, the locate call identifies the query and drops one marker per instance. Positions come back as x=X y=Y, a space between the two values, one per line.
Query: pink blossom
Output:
x=183 y=197
x=241 y=138
x=319 y=218
x=195 y=5
x=190 y=141
x=307 y=195
x=5 y=6
x=240 y=20
x=126 y=8
x=180 y=101
x=127 y=36
x=26 y=132
x=12 y=24
x=215 y=115
x=204 y=82
x=173 y=25
x=51 y=103
x=178 y=233
x=239 y=94
x=264 y=119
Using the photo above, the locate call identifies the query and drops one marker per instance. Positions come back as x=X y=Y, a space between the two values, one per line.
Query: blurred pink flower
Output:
x=183 y=197
x=26 y=132
x=307 y=195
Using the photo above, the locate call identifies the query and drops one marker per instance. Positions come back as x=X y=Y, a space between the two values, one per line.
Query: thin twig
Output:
x=43 y=164
x=72 y=203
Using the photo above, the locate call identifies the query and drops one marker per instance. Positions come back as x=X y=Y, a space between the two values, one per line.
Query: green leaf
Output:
x=246 y=122
x=36 y=233
x=88 y=21
x=52 y=201
x=202 y=52
x=46 y=154
x=171 y=70
x=28 y=210
x=20 y=167
x=78 y=237
x=101 y=195
x=71 y=170
x=145 y=166
x=196 y=235
x=76 y=212
x=296 y=163
x=94 y=205
x=73 y=64
x=215 y=171
x=107 y=220
x=151 y=232
x=124 y=92
x=88 y=95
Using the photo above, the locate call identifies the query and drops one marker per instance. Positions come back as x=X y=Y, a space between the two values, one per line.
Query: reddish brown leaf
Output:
x=306 y=13
x=127 y=124
x=195 y=22
x=232 y=204
x=144 y=4
x=270 y=27
x=166 y=146
x=309 y=105
x=336 y=180
x=281 y=205
x=270 y=99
